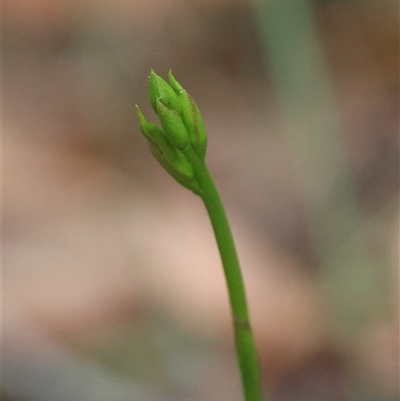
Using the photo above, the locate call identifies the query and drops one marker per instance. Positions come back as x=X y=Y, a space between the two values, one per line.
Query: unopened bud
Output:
x=160 y=145
x=160 y=90
x=191 y=117
x=184 y=174
x=198 y=131
x=149 y=130
x=173 y=126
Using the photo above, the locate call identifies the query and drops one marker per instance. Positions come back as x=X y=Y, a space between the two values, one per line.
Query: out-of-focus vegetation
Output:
x=100 y=299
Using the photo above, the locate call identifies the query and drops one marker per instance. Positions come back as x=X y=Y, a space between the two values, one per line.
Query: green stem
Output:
x=244 y=341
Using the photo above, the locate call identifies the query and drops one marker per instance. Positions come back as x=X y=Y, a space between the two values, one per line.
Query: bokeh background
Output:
x=112 y=284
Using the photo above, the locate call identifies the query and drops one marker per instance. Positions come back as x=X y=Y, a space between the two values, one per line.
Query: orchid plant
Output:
x=179 y=145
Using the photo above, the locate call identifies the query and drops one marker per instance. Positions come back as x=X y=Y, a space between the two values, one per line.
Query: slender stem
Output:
x=244 y=341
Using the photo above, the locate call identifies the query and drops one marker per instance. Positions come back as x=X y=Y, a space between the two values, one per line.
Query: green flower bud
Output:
x=173 y=126
x=182 y=127
x=182 y=178
x=149 y=130
x=197 y=132
x=160 y=90
x=156 y=136
x=191 y=117
x=166 y=152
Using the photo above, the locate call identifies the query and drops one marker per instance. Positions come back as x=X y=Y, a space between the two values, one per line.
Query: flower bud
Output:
x=198 y=130
x=191 y=117
x=184 y=175
x=149 y=130
x=164 y=150
x=160 y=90
x=173 y=126
x=156 y=136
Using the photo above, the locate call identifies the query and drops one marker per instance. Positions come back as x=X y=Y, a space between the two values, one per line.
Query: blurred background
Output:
x=112 y=284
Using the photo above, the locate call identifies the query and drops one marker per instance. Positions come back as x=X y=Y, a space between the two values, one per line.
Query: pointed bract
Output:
x=198 y=132
x=148 y=129
x=191 y=117
x=175 y=85
x=157 y=138
x=160 y=90
x=173 y=126
x=187 y=180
